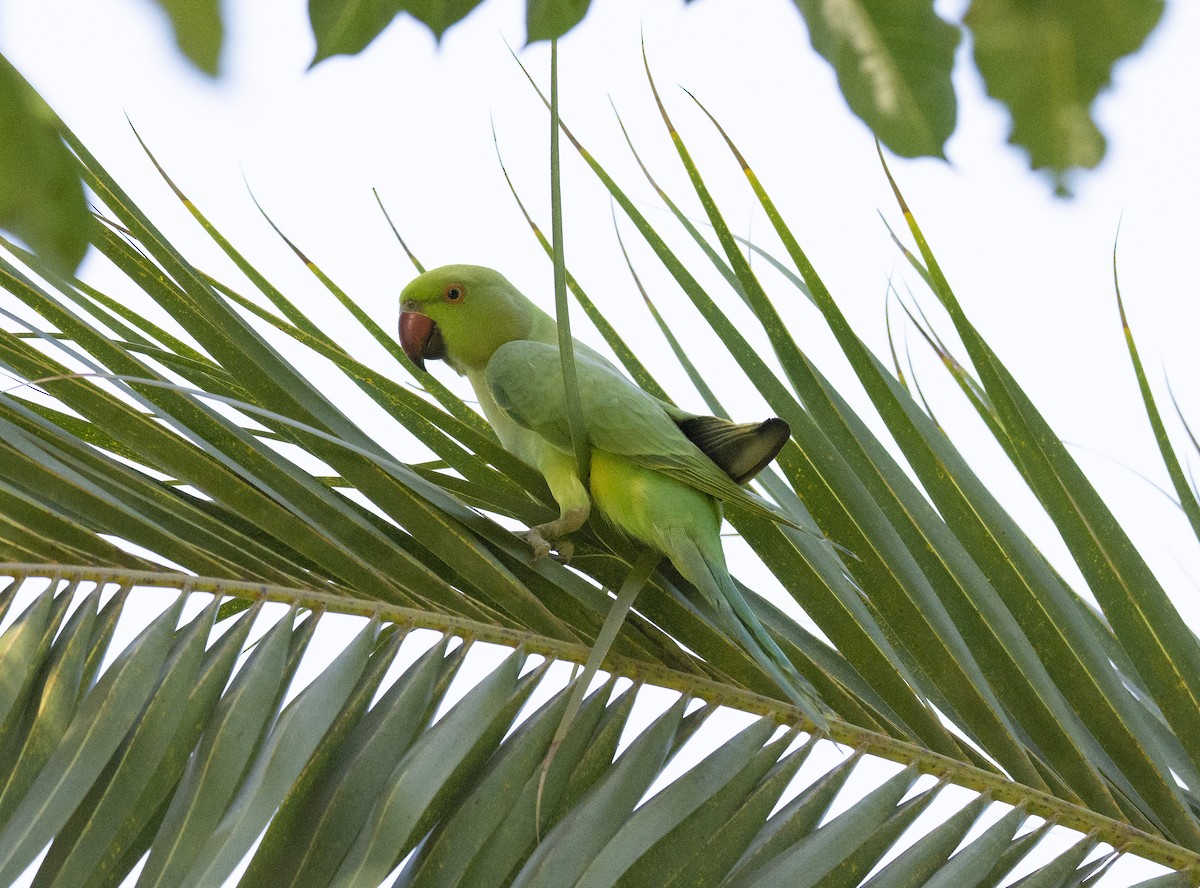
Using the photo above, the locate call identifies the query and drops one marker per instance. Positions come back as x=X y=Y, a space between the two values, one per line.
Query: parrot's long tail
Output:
x=711 y=577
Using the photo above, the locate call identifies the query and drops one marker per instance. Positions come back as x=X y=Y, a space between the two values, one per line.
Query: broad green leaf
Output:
x=550 y=19
x=438 y=15
x=893 y=63
x=41 y=198
x=1047 y=62
x=199 y=32
x=348 y=26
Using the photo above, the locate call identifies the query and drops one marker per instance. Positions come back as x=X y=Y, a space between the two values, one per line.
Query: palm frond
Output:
x=185 y=749
x=178 y=423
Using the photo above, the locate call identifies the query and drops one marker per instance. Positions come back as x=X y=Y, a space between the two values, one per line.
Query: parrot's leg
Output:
x=574 y=505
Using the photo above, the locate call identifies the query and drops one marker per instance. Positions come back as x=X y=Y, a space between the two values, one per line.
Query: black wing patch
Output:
x=741 y=450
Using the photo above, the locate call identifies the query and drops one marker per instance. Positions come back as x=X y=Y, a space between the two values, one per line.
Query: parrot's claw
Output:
x=545 y=537
x=537 y=543
x=541 y=547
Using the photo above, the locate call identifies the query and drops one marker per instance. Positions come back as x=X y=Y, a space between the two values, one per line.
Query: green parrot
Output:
x=658 y=474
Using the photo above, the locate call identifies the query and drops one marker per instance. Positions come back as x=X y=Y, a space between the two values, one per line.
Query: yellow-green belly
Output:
x=647 y=505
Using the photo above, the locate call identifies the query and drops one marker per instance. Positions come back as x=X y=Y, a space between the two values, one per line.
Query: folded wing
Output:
x=708 y=453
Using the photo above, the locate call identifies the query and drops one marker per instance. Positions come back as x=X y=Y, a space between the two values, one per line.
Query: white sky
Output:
x=413 y=120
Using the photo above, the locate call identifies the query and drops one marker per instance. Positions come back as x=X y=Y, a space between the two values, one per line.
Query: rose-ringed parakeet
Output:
x=658 y=474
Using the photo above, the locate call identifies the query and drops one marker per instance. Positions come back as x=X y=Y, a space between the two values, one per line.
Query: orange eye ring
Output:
x=454 y=293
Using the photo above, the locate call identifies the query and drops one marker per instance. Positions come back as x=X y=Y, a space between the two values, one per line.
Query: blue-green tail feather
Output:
x=711 y=577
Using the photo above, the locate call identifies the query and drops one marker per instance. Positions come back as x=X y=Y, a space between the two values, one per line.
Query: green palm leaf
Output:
x=206 y=747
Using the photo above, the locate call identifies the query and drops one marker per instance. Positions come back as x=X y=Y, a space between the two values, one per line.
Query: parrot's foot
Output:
x=536 y=542
x=541 y=547
x=544 y=537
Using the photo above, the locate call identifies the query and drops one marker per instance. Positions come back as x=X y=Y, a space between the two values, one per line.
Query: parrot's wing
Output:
x=525 y=380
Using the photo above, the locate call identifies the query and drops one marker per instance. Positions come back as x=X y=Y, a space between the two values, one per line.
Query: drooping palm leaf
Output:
x=348 y=779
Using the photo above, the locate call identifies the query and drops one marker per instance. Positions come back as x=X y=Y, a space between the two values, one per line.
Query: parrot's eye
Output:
x=454 y=293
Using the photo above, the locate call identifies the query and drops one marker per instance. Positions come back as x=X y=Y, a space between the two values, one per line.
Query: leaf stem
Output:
x=634 y=581
x=566 y=347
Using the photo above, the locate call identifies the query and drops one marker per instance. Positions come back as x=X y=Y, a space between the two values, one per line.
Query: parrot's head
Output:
x=461 y=314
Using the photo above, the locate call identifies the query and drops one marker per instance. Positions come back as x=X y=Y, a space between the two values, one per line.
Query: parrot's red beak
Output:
x=420 y=338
